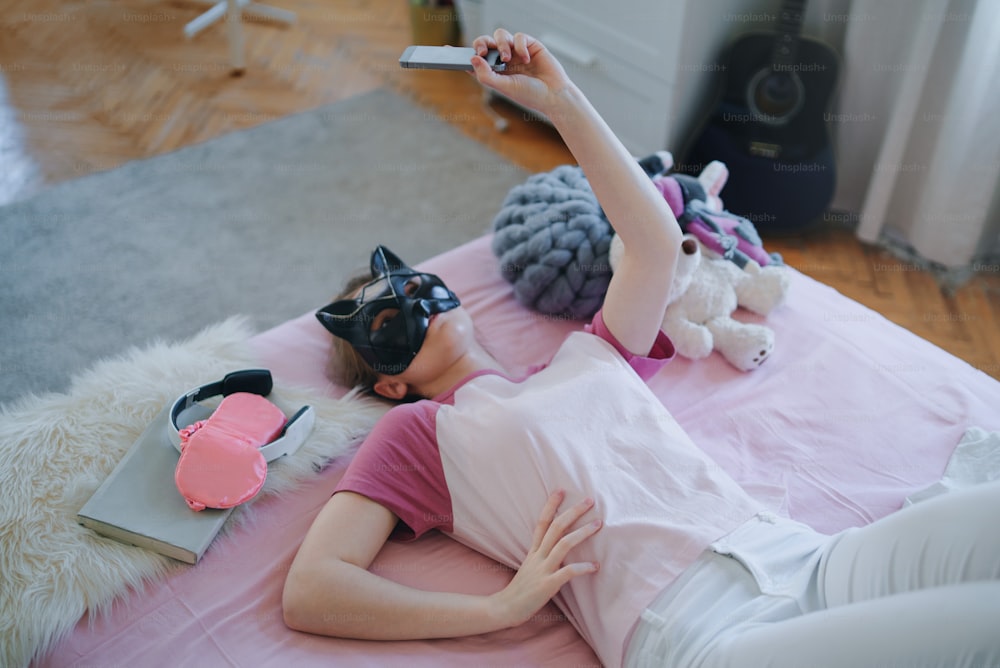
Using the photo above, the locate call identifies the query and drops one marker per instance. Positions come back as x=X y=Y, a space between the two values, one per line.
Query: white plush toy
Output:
x=705 y=293
x=708 y=288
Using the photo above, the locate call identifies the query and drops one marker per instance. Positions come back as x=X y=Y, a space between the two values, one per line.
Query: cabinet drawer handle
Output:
x=569 y=50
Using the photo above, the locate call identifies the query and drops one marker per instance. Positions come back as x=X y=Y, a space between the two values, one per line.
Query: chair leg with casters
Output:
x=232 y=12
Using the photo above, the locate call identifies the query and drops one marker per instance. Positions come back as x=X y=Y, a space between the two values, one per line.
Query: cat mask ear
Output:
x=384 y=261
x=345 y=318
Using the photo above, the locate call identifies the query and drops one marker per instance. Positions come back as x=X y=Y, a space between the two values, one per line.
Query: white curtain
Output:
x=917 y=127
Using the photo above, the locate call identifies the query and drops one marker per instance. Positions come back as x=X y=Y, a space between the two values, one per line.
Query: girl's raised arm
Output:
x=637 y=295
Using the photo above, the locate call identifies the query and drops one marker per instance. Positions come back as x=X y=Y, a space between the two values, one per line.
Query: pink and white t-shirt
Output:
x=479 y=462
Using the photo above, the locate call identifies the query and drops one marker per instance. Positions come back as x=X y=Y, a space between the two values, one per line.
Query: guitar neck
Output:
x=786 y=42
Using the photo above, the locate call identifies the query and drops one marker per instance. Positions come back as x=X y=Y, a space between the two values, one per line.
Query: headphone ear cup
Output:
x=299 y=413
x=292 y=437
x=254 y=381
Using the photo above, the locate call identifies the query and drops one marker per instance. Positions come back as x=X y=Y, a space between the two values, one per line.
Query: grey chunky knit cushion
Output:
x=552 y=240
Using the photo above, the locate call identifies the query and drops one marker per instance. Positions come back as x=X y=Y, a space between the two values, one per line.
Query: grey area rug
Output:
x=265 y=222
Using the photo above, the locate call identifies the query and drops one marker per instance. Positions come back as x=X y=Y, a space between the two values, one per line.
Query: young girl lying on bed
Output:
x=655 y=555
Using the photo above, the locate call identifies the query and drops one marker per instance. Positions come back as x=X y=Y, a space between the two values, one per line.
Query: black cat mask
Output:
x=387 y=321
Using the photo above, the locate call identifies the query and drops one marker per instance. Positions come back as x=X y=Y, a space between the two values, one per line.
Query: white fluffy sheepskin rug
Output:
x=56 y=449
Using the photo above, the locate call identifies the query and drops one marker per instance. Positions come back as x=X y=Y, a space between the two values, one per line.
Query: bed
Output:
x=849 y=416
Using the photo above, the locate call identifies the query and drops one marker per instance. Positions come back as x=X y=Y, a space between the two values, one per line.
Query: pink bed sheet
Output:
x=849 y=416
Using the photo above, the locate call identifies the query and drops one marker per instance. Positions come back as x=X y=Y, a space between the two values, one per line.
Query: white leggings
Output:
x=920 y=587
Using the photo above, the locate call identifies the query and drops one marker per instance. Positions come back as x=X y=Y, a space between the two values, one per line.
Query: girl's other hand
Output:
x=543 y=573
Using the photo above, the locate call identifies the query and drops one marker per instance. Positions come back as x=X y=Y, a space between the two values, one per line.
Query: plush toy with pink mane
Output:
x=722 y=267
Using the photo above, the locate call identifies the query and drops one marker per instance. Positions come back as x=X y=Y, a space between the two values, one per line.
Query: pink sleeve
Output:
x=645 y=365
x=399 y=467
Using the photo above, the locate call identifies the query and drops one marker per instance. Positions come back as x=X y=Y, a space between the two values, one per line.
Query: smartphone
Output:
x=446 y=58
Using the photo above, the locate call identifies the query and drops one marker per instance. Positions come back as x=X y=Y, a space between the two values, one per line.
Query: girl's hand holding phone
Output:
x=533 y=77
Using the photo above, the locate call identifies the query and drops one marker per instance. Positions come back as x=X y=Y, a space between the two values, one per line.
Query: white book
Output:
x=139 y=504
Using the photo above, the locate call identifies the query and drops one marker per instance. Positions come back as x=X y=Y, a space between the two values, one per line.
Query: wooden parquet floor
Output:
x=87 y=85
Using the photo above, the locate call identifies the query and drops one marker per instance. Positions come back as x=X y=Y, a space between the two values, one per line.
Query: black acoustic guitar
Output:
x=770 y=126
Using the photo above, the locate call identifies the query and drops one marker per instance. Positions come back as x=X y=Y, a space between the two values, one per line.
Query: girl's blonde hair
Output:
x=345 y=366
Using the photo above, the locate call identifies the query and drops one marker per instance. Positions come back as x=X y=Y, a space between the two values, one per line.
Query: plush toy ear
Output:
x=384 y=260
x=713 y=178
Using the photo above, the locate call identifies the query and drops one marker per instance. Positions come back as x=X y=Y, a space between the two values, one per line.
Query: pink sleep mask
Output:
x=224 y=458
x=220 y=464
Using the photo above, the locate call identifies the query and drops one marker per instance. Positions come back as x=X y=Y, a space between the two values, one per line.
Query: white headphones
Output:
x=255 y=381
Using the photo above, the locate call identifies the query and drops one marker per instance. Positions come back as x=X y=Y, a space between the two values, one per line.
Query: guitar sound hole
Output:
x=776 y=92
x=775 y=96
